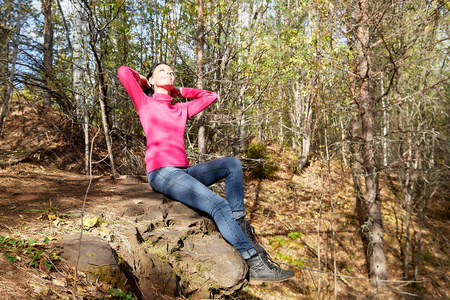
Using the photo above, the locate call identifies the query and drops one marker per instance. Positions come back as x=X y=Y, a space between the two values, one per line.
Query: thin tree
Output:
x=366 y=101
x=12 y=71
x=201 y=115
x=94 y=33
x=81 y=111
x=48 y=50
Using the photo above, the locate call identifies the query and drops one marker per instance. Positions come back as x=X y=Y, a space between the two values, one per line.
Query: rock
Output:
x=97 y=259
x=155 y=213
x=128 y=179
x=152 y=276
x=177 y=208
x=133 y=211
x=93 y=251
x=215 y=264
x=166 y=250
x=173 y=251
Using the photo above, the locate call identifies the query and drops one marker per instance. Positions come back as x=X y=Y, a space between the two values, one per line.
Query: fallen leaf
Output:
x=60 y=283
x=80 y=289
x=90 y=221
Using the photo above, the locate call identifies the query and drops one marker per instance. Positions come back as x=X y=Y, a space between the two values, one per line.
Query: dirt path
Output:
x=37 y=206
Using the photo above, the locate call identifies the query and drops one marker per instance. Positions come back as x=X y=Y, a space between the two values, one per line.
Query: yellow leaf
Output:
x=80 y=289
x=90 y=221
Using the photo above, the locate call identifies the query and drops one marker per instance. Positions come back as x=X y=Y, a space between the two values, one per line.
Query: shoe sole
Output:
x=262 y=280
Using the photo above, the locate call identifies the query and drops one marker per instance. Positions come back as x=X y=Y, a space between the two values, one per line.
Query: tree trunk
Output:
x=201 y=115
x=302 y=120
x=10 y=87
x=81 y=111
x=365 y=98
x=78 y=41
x=385 y=125
x=408 y=189
x=423 y=205
x=101 y=80
x=67 y=33
x=48 y=51
x=240 y=132
x=259 y=121
x=102 y=97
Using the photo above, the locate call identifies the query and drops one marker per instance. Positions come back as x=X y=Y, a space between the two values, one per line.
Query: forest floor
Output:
x=306 y=222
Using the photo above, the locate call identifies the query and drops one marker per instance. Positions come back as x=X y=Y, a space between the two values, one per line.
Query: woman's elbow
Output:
x=122 y=70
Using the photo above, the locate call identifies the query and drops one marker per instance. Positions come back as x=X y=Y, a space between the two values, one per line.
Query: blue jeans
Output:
x=190 y=186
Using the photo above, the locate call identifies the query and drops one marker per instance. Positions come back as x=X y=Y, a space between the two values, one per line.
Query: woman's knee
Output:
x=234 y=163
x=219 y=205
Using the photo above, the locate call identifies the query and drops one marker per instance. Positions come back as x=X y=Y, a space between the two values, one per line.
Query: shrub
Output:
x=260 y=166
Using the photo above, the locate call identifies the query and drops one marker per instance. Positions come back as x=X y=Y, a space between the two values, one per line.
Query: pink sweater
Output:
x=164 y=123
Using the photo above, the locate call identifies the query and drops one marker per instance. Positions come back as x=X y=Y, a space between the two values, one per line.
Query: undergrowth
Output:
x=14 y=249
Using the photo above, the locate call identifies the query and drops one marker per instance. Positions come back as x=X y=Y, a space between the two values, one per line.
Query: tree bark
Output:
x=67 y=34
x=102 y=97
x=81 y=111
x=408 y=189
x=201 y=115
x=302 y=120
x=10 y=87
x=78 y=39
x=48 y=51
x=365 y=98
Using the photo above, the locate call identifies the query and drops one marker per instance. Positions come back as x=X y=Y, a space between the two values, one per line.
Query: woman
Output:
x=169 y=171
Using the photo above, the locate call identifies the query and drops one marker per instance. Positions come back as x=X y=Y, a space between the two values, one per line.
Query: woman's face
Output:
x=163 y=77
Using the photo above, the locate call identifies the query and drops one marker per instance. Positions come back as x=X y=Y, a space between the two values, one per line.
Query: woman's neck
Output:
x=160 y=90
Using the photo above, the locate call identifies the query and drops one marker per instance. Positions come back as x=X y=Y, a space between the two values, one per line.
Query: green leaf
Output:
x=10 y=258
x=295 y=235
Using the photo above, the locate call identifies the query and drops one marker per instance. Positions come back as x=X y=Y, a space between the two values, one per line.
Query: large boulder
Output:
x=157 y=248
x=173 y=250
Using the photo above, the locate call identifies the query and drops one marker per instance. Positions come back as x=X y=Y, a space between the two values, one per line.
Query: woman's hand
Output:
x=143 y=82
x=175 y=92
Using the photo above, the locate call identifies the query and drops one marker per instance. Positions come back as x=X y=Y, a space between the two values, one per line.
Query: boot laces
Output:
x=249 y=232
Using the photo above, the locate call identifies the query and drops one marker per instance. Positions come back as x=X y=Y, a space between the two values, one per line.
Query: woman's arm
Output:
x=202 y=99
x=143 y=82
x=134 y=83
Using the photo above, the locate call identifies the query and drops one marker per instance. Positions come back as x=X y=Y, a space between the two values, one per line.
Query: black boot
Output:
x=248 y=230
x=261 y=270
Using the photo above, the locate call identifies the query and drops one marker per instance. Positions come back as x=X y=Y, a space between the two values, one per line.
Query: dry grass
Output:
x=308 y=220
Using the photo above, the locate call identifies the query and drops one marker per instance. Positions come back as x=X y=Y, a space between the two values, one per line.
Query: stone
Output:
x=155 y=213
x=133 y=211
x=97 y=258
x=153 y=277
x=129 y=179
x=167 y=250
x=222 y=265
x=186 y=251
x=94 y=251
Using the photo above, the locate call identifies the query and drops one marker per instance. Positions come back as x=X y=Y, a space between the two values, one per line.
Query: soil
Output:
x=305 y=221
x=42 y=204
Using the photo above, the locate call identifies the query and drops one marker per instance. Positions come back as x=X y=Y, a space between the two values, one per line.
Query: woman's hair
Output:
x=150 y=91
